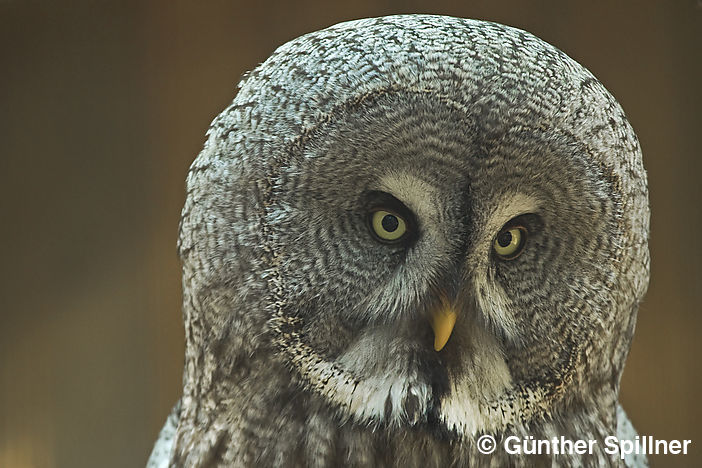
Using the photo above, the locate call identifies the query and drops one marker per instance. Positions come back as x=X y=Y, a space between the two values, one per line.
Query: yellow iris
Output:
x=388 y=226
x=510 y=242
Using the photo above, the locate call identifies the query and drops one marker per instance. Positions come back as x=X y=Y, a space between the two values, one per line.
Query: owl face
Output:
x=403 y=209
x=425 y=221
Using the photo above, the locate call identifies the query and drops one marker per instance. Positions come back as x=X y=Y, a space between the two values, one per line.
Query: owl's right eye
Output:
x=388 y=226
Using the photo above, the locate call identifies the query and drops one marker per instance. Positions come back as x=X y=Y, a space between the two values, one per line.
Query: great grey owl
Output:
x=405 y=234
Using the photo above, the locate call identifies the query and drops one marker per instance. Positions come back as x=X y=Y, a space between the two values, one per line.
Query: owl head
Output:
x=420 y=221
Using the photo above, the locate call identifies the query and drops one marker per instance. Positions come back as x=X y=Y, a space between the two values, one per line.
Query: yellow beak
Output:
x=443 y=319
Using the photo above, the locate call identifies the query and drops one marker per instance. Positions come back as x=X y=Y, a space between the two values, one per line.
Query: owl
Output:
x=410 y=241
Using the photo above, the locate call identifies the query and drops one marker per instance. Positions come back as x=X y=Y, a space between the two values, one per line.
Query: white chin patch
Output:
x=390 y=388
x=475 y=388
x=393 y=391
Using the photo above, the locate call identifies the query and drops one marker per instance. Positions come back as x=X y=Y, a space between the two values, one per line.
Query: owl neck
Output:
x=247 y=410
x=260 y=416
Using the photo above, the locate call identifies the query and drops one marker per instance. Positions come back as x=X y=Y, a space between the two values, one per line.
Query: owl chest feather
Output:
x=274 y=423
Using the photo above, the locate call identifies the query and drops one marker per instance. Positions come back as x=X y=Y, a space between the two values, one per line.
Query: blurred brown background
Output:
x=104 y=104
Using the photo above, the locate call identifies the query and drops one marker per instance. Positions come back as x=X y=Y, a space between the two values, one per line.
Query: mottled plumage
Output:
x=307 y=337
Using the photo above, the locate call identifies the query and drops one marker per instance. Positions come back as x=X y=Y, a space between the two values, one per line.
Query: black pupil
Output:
x=390 y=223
x=504 y=238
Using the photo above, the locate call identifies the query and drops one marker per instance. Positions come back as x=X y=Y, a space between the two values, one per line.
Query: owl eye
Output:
x=388 y=226
x=509 y=243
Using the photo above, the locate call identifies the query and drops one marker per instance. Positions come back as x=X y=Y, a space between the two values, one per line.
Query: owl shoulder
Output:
x=161 y=454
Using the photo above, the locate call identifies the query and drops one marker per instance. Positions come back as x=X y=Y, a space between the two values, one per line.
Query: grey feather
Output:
x=626 y=431
x=163 y=448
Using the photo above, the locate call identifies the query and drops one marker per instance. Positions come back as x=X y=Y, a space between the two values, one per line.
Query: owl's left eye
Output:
x=388 y=226
x=509 y=243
